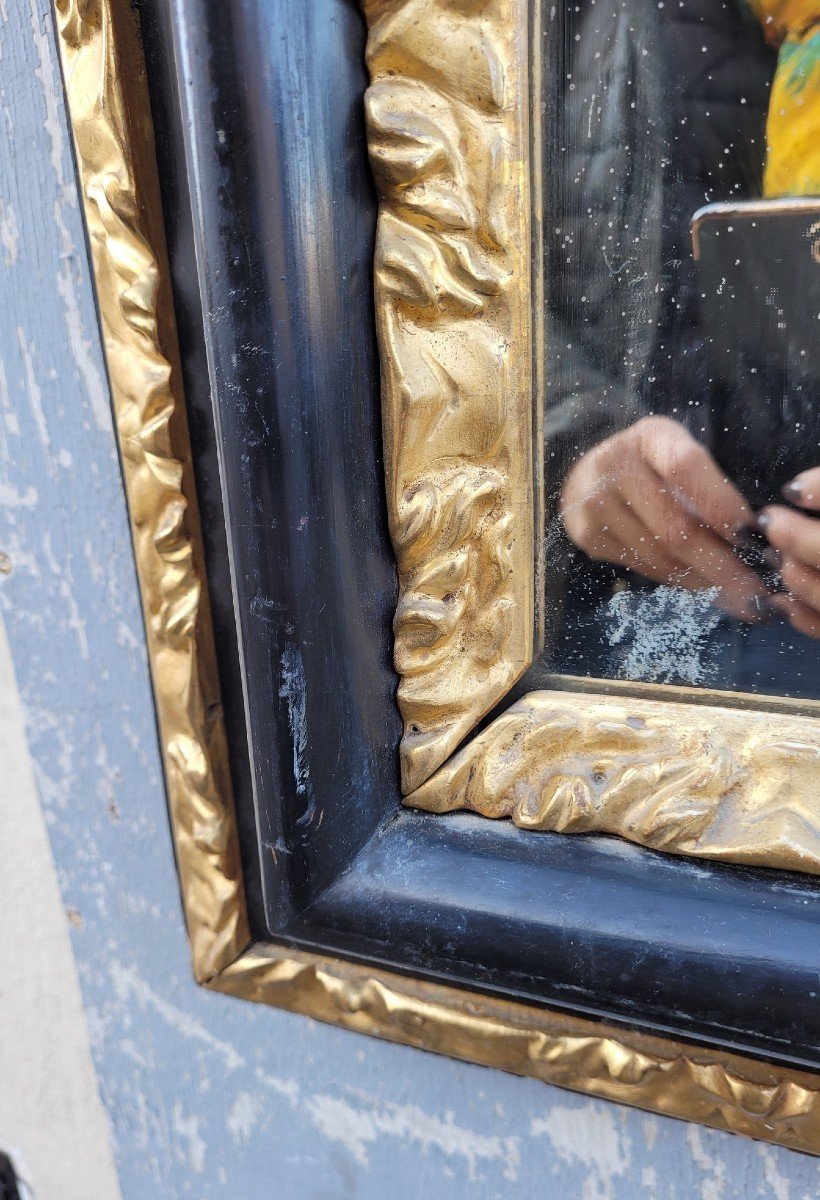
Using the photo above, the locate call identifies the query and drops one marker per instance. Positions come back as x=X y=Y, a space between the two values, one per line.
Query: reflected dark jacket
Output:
x=656 y=110
x=663 y=110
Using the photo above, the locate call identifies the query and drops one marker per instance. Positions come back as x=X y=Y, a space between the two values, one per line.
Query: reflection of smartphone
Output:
x=759 y=319
x=759 y=270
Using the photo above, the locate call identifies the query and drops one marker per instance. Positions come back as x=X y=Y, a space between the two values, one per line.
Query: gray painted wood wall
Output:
x=209 y=1097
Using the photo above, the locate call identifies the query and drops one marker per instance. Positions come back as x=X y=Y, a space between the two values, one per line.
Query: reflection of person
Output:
x=652 y=499
x=659 y=113
x=793 y=168
x=795 y=542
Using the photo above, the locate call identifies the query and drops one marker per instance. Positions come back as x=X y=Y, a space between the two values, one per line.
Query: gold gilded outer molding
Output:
x=448 y=135
x=723 y=1090
x=109 y=114
x=721 y=783
x=108 y=106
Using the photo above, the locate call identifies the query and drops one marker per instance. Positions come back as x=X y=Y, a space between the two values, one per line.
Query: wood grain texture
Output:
x=448 y=138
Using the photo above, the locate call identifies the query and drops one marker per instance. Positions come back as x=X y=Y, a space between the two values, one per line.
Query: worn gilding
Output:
x=721 y=1090
x=714 y=782
x=448 y=137
x=448 y=107
x=110 y=121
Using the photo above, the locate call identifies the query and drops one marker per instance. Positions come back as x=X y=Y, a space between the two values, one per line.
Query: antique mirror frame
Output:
x=455 y=152
x=453 y=289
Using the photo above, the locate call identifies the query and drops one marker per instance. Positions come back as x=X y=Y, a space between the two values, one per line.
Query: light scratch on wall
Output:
x=81 y=344
x=242 y=1117
x=187 y=1128
x=589 y=1137
x=9 y=234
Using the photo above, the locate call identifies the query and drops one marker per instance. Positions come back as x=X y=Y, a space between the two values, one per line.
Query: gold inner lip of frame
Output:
x=450 y=142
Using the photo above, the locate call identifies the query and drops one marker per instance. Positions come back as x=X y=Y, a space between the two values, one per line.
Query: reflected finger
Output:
x=642 y=552
x=698 y=483
x=693 y=545
x=804 y=490
x=634 y=546
x=801 y=582
x=801 y=617
x=792 y=533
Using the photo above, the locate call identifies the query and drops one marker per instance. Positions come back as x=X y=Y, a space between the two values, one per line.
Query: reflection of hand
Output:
x=653 y=499
x=796 y=540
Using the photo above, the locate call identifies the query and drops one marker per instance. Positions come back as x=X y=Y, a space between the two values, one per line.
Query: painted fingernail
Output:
x=763 y=521
x=793 y=492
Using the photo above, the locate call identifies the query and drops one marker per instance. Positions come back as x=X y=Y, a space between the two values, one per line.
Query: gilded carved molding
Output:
x=110 y=121
x=723 y=1090
x=713 y=782
x=447 y=128
x=448 y=139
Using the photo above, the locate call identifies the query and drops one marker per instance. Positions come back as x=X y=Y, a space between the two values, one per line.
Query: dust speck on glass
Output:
x=682 y=409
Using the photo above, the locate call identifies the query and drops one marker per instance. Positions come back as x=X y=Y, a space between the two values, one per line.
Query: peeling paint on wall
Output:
x=358 y=1126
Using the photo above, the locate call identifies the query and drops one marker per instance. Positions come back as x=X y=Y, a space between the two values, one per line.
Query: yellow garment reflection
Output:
x=793 y=125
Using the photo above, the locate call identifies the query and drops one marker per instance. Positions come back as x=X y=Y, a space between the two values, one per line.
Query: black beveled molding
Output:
x=270 y=215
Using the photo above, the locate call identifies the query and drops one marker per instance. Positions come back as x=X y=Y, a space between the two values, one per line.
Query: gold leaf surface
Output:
x=107 y=101
x=448 y=140
x=720 y=783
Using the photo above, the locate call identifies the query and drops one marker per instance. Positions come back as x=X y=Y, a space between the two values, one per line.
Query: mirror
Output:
x=682 y=394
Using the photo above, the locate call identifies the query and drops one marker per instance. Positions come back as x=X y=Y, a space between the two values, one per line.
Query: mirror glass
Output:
x=682 y=381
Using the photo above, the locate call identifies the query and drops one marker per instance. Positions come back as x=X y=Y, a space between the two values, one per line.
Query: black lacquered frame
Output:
x=270 y=215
